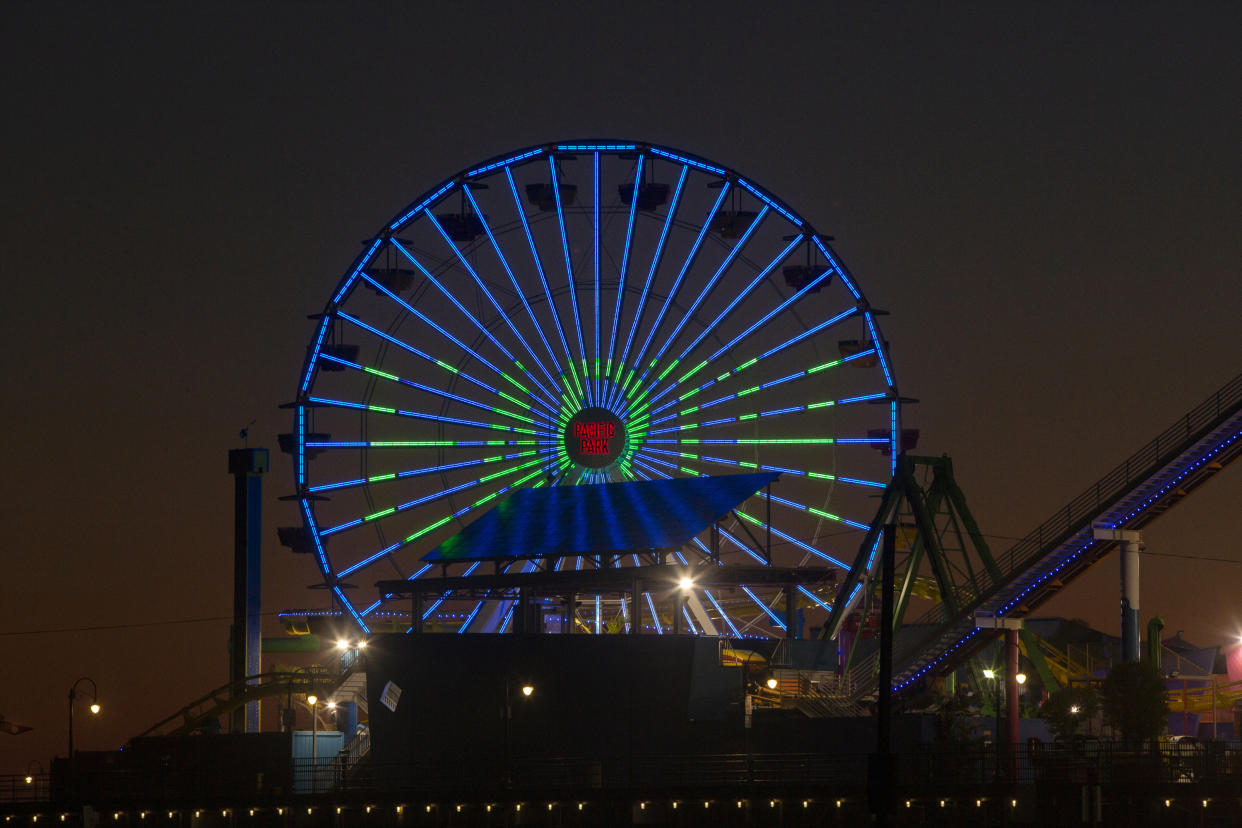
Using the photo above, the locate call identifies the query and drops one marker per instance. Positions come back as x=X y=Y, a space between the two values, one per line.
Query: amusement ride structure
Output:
x=607 y=316
x=593 y=315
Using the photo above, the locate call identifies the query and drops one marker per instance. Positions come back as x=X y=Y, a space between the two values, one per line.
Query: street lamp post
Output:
x=990 y=675
x=73 y=694
x=507 y=714
x=313 y=700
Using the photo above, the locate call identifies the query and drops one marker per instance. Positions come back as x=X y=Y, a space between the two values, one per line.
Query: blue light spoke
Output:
x=711 y=283
x=642 y=299
x=428 y=498
x=639 y=357
x=814 y=597
x=646 y=452
x=401 y=475
x=625 y=262
x=755 y=282
x=569 y=275
x=655 y=616
x=536 y=418
x=388 y=550
x=724 y=615
x=483 y=329
x=543 y=280
x=775 y=619
x=410 y=308
x=501 y=313
x=419 y=415
x=597 y=230
x=789 y=343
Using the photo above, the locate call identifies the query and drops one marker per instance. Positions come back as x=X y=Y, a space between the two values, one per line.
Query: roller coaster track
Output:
x=222 y=701
x=1146 y=485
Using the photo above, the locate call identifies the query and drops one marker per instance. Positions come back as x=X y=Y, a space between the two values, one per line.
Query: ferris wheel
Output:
x=580 y=314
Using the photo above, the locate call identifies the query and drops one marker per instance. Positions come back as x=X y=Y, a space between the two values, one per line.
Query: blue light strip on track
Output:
x=596 y=147
x=310 y=363
x=768 y=201
x=396 y=225
x=1172 y=484
x=513 y=159
x=841 y=271
x=681 y=159
x=363 y=262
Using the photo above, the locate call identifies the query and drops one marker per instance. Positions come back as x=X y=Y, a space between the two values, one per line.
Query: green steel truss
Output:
x=936 y=535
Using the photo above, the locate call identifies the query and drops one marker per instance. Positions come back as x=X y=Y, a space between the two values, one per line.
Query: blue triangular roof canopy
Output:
x=604 y=518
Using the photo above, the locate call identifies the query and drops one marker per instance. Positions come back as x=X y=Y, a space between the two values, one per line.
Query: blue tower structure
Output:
x=247 y=466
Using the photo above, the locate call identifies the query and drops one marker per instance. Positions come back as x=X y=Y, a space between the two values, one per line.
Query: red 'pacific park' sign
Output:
x=593 y=437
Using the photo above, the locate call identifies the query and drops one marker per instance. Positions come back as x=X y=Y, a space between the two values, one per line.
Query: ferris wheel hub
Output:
x=594 y=438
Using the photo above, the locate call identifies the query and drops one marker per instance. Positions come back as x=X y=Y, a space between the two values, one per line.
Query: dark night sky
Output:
x=1047 y=199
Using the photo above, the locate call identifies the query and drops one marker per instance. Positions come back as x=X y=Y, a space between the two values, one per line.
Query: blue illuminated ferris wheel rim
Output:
x=537 y=406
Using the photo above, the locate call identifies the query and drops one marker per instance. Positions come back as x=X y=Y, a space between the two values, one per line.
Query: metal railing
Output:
x=34 y=787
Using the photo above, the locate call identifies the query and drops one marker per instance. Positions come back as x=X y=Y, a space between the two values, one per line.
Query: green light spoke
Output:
x=656 y=257
x=407 y=444
x=793 y=340
x=483 y=329
x=746 y=441
x=384 y=375
x=419 y=415
x=431 y=527
x=782 y=501
x=461 y=487
x=516 y=288
x=401 y=475
x=431 y=360
x=410 y=309
x=576 y=389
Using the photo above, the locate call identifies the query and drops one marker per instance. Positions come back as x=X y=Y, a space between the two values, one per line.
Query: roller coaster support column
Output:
x=880 y=778
x=1013 y=733
x=1131 y=545
x=247 y=466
